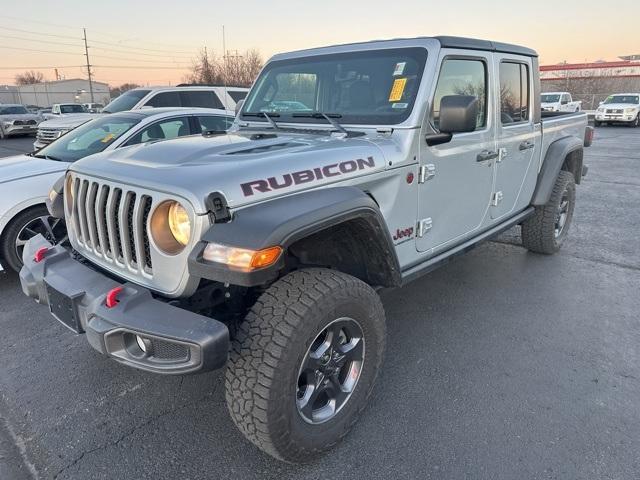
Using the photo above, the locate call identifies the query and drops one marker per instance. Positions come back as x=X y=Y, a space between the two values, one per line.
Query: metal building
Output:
x=46 y=94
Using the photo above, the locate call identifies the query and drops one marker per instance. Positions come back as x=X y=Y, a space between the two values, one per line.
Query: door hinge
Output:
x=424 y=226
x=496 y=198
x=502 y=154
x=426 y=172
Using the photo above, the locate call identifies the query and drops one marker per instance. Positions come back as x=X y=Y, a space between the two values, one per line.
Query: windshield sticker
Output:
x=399 y=105
x=399 y=70
x=397 y=89
x=108 y=137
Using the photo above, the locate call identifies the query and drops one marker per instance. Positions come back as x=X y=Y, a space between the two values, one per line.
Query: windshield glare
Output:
x=371 y=87
x=632 y=99
x=550 y=98
x=13 y=110
x=125 y=102
x=87 y=139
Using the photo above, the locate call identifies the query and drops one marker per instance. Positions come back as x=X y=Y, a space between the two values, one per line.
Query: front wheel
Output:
x=28 y=224
x=636 y=122
x=304 y=361
x=546 y=229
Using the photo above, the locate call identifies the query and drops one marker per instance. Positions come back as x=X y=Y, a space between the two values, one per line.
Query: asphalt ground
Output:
x=500 y=365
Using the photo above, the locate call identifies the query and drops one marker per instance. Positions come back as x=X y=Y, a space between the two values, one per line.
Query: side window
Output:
x=165 y=99
x=237 y=95
x=462 y=77
x=162 y=130
x=514 y=92
x=200 y=98
x=211 y=123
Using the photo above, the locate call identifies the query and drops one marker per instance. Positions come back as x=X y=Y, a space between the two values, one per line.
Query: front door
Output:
x=457 y=177
x=518 y=140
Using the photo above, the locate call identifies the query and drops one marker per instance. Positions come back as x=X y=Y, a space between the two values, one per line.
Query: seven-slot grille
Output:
x=112 y=223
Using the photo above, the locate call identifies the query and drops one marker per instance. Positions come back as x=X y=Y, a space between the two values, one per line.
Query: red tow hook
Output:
x=112 y=297
x=40 y=254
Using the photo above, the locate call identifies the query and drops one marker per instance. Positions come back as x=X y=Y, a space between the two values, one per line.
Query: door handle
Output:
x=485 y=155
x=526 y=145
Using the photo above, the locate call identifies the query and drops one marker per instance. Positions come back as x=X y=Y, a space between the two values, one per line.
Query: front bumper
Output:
x=20 y=129
x=615 y=117
x=176 y=341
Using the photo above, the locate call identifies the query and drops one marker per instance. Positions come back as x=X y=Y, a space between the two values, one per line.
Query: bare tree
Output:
x=29 y=78
x=237 y=70
x=117 y=91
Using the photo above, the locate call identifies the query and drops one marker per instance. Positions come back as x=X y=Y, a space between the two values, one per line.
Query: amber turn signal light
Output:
x=241 y=258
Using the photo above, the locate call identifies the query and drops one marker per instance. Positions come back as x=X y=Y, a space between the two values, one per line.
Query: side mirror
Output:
x=239 y=106
x=458 y=114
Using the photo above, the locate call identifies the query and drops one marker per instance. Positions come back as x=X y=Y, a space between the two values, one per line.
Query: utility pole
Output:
x=86 y=54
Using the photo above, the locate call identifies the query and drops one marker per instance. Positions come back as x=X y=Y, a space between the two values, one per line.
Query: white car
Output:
x=25 y=180
x=191 y=96
x=559 y=102
x=622 y=107
x=16 y=120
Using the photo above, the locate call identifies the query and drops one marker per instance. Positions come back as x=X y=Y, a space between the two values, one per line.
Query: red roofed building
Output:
x=592 y=82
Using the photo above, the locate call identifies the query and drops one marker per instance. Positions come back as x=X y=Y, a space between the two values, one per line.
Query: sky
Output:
x=154 y=42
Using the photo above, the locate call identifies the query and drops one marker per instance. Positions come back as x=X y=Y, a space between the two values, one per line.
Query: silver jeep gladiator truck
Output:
x=349 y=169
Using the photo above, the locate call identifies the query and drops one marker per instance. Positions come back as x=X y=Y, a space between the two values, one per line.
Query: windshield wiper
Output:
x=48 y=157
x=266 y=115
x=329 y=117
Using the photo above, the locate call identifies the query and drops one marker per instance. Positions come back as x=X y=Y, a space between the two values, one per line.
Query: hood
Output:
x=69 y=121
x=617 y=106
x=245 y=168
x=549 y=104
x=23 y=166
x=19 y=116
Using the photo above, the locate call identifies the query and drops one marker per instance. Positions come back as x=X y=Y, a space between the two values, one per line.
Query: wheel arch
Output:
x=563 y=154
x=340 y=228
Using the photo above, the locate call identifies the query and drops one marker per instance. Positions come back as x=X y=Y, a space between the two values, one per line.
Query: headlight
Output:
x=7 y=124
x=629 y=110
x=171 y=227
x=600 y=110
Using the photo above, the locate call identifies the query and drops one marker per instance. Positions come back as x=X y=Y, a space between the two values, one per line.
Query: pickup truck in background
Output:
x=559 y=102
x=349 y=169
x=620 y=108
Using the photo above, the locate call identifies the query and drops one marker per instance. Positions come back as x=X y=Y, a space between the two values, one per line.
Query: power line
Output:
x=39 y=51
x=128 y=59
x=36 y=21
x=141 y=48
x=141 y=67
x=39 y=40
x=41 y=67
x=39 y=33
x=162 y=55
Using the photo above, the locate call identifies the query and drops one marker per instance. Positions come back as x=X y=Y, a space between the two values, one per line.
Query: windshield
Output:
x=125 y=102
x=13 y=110
x=372 y=87
x=549 y=98
x=87 y=139
x=72 y=109
x=631 y=99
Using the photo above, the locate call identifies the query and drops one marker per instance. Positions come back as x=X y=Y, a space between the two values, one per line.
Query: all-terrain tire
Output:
x=269 y=348
x=540 y=232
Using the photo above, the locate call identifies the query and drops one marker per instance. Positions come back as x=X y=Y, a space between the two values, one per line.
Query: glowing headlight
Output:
x=171 y=227
x=179 y=223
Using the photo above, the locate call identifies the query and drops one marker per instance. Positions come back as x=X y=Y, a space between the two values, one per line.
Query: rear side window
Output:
x=162 y=130
x=165 y=99
x=211 y=123
x=237 y=95
x=514 y=92
x=200 y=98
x=462 y=77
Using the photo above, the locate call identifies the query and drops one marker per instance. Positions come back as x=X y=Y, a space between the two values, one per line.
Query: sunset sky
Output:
x=152 y=42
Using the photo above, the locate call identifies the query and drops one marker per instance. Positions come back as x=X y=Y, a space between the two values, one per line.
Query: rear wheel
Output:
x=304 y=361
x=546 y=230
x=23 y=227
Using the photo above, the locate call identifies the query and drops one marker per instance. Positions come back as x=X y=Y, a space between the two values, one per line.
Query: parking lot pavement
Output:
x=501 y=365
x=16 y=145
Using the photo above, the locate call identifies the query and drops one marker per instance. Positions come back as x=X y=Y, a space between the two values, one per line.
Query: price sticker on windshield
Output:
x=397 y=89
x=108 y=137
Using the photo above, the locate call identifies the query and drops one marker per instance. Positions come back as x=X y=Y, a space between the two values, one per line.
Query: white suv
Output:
x=217 y=97
x=622 y=107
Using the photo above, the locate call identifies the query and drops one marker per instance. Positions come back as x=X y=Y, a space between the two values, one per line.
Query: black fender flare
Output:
x=286 y=220
x=556 y=155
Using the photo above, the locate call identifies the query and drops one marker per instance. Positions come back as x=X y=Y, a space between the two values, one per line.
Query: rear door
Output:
x=518 y=139
x=456 y=184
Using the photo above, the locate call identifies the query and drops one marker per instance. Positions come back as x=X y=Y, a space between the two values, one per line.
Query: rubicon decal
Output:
x=305 y=176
